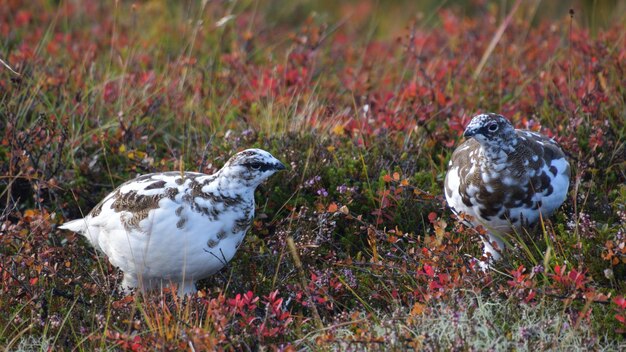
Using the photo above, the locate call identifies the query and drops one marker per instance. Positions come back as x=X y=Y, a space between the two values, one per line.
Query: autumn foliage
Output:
x=366 y=115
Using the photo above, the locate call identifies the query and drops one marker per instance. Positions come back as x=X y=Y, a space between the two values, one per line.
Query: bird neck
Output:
x=499 y=150
x=226 y=184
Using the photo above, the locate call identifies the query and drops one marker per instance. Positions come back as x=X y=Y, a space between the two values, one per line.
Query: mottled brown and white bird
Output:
x=504 y=178
x=175 y=227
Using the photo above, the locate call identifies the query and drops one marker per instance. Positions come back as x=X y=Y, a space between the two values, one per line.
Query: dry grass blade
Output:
x=9 y=67
x=496 y=38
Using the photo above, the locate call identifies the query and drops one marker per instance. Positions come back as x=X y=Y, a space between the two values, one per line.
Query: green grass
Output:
x=471 y=323
x=365 y=102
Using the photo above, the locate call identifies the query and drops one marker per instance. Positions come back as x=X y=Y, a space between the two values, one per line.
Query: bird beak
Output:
x=469 y=132
x=279 y=166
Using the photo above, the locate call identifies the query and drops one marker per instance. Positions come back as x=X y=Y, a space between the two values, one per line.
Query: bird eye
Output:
x=493 y=127
x=255 y=166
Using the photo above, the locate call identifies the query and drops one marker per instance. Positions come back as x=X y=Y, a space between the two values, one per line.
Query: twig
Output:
x=69 y=296
x=205 y=155
x=305 y=287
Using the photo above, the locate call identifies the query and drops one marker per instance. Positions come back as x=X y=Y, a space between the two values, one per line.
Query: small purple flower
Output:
x=538 y=269
x=322 y=192
x=55 y=321
x=312 y=181
x=456 y=317
x=342 y=189
x=349 y=276
x=527 y=332
x=621 y=234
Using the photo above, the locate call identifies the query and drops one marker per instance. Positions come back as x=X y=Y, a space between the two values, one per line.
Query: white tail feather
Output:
x=79 y=225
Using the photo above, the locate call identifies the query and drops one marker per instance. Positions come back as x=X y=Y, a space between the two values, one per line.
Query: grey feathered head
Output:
x=252 y=166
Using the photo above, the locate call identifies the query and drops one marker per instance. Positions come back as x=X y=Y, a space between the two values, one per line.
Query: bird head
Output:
x=252 y=166
x=490 y=129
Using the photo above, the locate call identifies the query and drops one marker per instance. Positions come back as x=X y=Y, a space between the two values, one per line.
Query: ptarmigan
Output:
x=177 y=227
x=505 y=178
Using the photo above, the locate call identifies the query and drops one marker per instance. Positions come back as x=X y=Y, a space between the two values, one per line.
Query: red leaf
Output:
x=620 y=301
x=429 y=270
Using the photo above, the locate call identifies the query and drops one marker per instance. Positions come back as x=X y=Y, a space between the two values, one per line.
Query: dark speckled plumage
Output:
x=505 y=178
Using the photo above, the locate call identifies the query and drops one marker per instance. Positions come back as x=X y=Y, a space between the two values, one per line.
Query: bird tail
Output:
x=79 y=225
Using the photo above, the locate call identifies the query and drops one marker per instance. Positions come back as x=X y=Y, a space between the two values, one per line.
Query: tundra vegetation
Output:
x=364 y=102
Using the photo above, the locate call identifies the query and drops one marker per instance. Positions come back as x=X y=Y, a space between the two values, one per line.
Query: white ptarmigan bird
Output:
x=504 y=178
x=175 y=227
